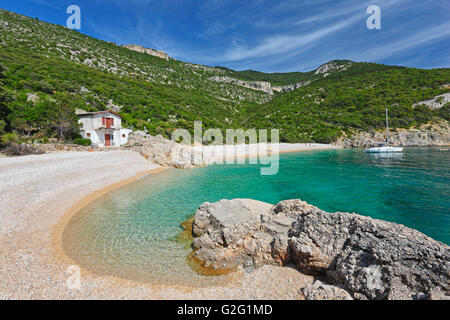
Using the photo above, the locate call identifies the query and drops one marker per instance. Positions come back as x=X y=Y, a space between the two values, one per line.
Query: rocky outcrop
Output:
x=152 y=52
x=358 y=256
x=291 y=87
x=437 y=136
x=255 y=85
x=437 y=102
x=164 y=152
x=332 y=66
x=260 y=85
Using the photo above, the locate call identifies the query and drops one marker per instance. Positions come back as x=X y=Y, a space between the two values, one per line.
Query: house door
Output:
x=108 y=140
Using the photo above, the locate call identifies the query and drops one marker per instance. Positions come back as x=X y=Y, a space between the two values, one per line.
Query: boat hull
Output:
x=384 y=150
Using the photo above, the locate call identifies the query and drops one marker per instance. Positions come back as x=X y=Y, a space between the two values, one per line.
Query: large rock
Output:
x=229 y=234
x=166 y=152
x=368 y=258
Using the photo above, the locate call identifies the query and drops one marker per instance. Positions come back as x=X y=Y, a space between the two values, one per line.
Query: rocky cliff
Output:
x=437 y=135
x=291 y=87
x=255 y=85
x=355 y=257
x=151 y=52
x=260 y=85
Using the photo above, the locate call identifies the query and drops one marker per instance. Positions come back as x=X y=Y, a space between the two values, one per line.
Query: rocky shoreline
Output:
x=351 y=256
x=437 y=135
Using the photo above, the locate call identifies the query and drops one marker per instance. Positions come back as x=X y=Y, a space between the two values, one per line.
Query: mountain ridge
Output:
x=43 y=60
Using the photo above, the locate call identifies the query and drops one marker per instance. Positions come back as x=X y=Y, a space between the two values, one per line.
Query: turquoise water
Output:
x=129 y=232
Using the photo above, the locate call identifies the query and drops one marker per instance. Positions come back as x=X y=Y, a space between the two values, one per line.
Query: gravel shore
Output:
x=39 y=193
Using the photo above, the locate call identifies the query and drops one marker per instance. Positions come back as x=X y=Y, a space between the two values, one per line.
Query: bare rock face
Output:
x=152 y=52
x=439 y=135
x=291 y=87
x=368 y=258
x=332 y=66
x=437 y=102
x=255 y=85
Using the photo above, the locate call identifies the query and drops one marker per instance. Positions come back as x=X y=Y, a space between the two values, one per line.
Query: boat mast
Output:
x=387 y=127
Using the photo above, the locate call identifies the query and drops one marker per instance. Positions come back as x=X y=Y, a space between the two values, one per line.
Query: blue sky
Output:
x=270 y=36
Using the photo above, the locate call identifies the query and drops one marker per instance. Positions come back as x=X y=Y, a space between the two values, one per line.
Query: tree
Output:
x=62 y=117
x=26 y=118
x=2 y=127
x=5 y=99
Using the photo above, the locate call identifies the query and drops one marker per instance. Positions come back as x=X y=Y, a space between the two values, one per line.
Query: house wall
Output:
x=93 y=125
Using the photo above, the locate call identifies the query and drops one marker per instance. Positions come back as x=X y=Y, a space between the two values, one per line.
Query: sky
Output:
x=264 y=35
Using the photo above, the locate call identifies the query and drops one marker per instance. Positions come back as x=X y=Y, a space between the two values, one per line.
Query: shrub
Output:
x=82 y=142
x=16 y=149
x=10 y=138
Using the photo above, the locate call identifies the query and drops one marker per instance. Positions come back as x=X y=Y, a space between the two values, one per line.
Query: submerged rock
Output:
x=368 y=258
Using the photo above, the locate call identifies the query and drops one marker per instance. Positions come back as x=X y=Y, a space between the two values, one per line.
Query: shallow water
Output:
x=129 y=232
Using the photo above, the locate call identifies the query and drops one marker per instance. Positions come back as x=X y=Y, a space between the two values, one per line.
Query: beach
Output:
x=39 y=196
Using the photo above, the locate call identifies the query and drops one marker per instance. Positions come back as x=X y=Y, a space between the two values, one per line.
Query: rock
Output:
x=332 y=66
x=437 y=102
x=166 y=152
x=365 y=255
x=228 y=233
x=291 y=87
x=321 y=291
x=369 y=258
x=255 y=85
x=152 y=52
x=435 y=136
x=260 y=85
x=137 y=138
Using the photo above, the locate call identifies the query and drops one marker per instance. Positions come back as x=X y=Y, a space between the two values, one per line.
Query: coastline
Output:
x=49 y=241
x=59 y=228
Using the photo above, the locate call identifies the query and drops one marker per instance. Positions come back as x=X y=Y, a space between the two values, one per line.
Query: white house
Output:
x=104 y=128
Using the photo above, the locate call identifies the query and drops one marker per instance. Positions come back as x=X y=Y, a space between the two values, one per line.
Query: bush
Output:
x=82 y=142
x=10 y=138
x=16 y=149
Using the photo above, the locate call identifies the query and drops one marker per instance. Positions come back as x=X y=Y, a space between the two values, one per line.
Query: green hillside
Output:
x=46 y=69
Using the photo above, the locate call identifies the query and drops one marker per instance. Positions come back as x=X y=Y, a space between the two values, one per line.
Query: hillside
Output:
x=42 y=64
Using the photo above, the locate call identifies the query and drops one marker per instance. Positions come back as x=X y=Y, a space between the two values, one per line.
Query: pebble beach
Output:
x=40 y=194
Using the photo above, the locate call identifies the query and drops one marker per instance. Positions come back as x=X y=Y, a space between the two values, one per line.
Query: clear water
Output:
x=129 y=232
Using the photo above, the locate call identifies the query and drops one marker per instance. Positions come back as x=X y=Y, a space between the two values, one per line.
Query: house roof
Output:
x=98 y=112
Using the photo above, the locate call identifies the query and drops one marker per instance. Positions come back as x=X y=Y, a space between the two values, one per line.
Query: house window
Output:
x=108 y=122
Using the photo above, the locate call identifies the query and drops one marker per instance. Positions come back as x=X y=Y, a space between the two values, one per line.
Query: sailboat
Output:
x=384 y=147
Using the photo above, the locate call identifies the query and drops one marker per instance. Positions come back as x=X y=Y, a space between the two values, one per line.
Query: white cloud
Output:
x=280 y=44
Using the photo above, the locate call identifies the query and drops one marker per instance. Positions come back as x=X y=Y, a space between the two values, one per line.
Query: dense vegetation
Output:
x=48 y=71
x=355 y=100
x=276 y=79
